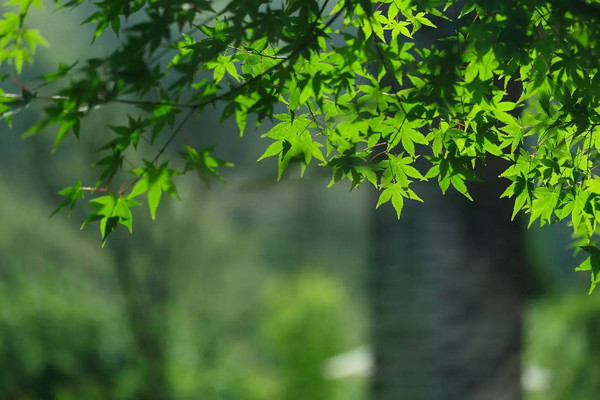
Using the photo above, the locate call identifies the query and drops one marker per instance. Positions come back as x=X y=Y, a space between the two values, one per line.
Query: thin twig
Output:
x=257 y=53
x=95 y=189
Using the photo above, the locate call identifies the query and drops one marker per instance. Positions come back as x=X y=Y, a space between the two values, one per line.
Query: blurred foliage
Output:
x=61 y=332
x=562 y=348
x=53 y=349
x=306 y=322
x=70 y=328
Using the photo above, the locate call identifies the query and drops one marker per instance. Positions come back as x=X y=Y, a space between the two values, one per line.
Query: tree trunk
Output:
x=146 y=294
x=446 y=295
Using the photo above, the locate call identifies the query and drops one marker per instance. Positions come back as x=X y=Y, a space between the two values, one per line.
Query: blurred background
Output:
x=261 y=290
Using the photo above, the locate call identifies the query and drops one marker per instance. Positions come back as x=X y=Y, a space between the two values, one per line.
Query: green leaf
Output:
x=72 y=195
x=579 y=203
x=395 y=194
x=295 y=143
x=204 y=163
x=110 y=210
x=274 y=149
x=154 y=181
x=459 y=184
x=523 y=190
x=592 y=263
x=544 y=204
x=64 y=129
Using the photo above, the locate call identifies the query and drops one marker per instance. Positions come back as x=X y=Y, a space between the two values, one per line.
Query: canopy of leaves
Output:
x=366 y=95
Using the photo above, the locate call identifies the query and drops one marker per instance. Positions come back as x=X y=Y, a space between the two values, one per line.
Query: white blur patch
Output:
x=536 y=378
x=356 y=362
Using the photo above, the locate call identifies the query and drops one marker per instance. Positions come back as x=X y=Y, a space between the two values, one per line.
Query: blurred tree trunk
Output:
x=142 y=272
x=447 y=299
x=446 y=287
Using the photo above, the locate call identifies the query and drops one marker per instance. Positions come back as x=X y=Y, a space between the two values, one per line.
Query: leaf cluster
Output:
x=382 y=92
